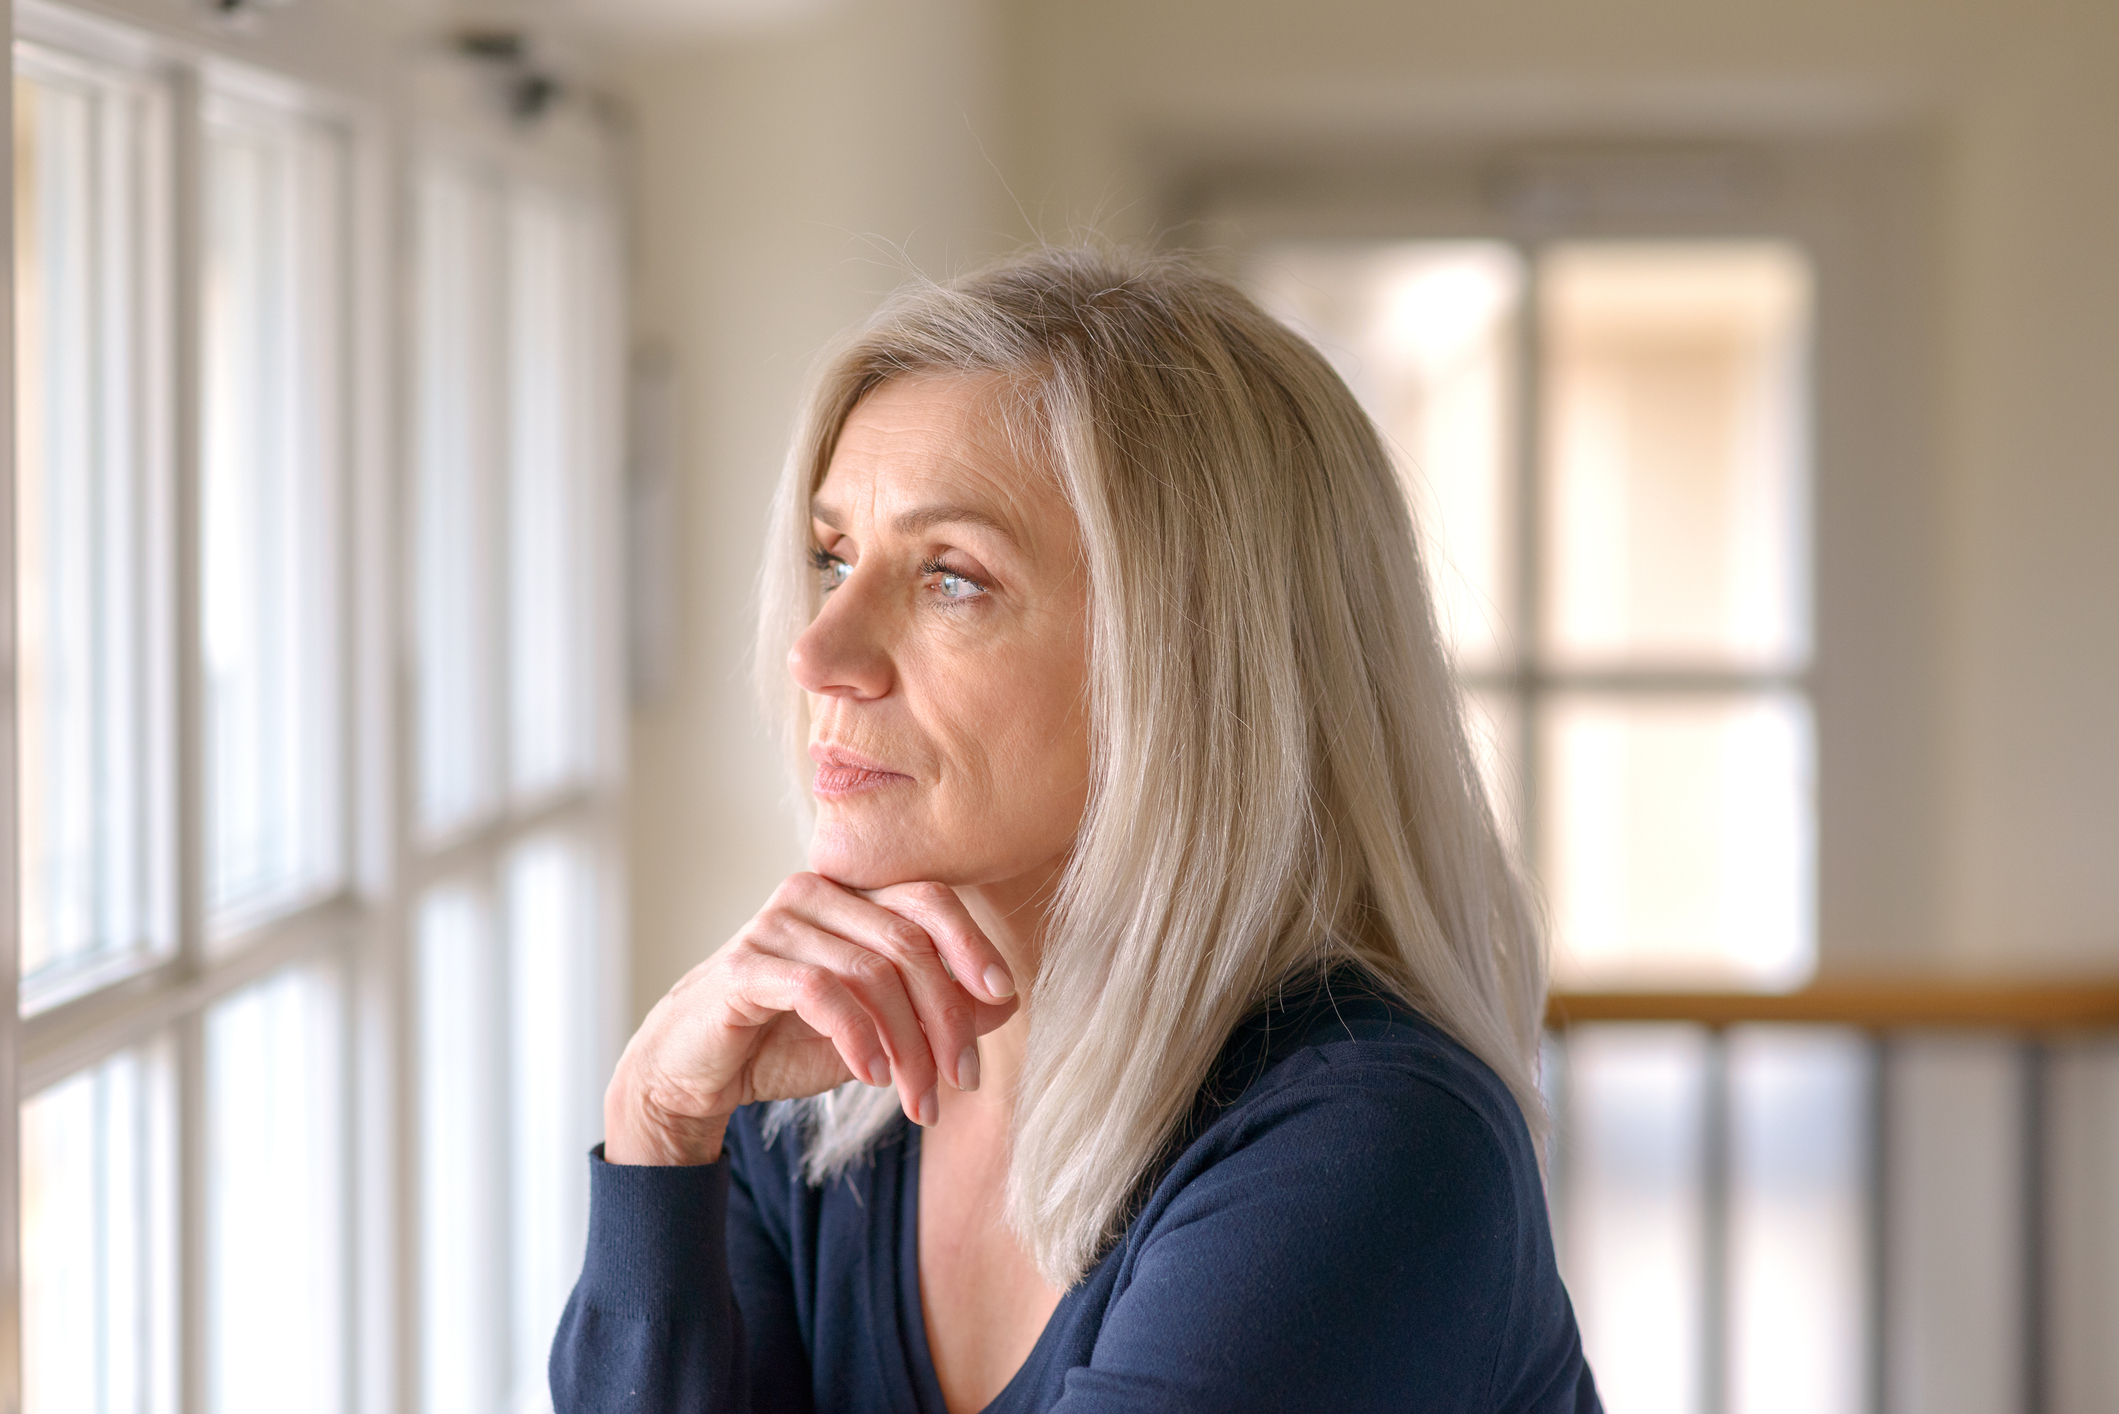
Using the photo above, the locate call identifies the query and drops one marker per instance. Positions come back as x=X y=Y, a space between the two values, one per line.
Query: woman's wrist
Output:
x=638 y=1131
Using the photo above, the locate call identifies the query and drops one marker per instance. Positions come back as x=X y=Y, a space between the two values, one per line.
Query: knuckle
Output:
x=794 y=888
x=958 y=1016
x=813 y=983
x=871 y=970
x=908 y=938
x=732 y=965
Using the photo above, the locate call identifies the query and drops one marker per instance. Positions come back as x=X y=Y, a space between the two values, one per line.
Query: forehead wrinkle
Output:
x=958 y=463
x=1003 y=520
x=921 y=518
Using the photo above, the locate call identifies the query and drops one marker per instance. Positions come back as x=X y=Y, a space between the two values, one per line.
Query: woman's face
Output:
x=947 y=670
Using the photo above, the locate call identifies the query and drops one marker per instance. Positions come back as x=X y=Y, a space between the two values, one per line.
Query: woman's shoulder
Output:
x=1344 y=1041
x=1353 y=1158
x=1339 y=1099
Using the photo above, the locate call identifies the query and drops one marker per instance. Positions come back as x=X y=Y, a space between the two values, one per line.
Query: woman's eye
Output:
x=831 y=570
x=949 y=584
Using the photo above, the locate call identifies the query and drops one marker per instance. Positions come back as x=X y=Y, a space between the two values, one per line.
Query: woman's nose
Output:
x=842 y=652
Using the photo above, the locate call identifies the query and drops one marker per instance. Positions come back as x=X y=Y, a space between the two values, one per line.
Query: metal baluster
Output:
x=2033 y=1232
x=1714 y=1217
x=1875 y=1221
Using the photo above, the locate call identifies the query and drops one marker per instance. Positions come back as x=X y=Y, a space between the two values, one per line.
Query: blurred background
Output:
x=398 y=389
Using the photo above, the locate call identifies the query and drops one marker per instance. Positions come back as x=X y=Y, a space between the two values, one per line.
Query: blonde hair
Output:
x=1281 y=777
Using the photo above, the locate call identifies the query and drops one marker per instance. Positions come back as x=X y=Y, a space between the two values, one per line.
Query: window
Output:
x=457 y=498
x=1606 y=446
x=318 y=751
x=273 y=293
x=274 y=1249
x=510 y=1057
x=91 y=528
x=99 y=1241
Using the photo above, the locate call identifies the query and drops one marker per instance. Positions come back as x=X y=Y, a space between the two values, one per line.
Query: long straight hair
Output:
x=1281 y=780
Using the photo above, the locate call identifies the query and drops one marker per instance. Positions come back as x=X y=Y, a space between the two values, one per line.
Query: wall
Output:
x=1970 y=810
x=785 y=179
x=1968 y=660
x=2032 y=750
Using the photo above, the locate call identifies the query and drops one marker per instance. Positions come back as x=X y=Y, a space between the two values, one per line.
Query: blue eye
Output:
x=830 y=568
x=950 y=585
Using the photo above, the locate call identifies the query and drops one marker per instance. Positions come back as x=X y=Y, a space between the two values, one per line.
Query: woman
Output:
x=1156 y=1027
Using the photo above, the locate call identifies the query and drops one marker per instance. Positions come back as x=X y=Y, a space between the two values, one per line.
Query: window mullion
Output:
x=10 y=963
x=185 y=356
x=500 y=363
x=383 y=1152
x=498 y=409
x=1529 y=533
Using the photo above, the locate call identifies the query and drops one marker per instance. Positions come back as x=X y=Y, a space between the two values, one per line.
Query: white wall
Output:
x=784 y=180
x=2031 y=755
x=1970 y=657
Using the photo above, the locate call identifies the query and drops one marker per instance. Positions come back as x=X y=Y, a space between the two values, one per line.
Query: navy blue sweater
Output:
x=1351 y=1220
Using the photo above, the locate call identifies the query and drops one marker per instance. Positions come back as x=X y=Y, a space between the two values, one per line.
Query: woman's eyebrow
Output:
x=921 y=518
x=926 y=517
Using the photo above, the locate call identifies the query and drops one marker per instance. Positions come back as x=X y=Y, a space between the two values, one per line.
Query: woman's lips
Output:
x=842 y=773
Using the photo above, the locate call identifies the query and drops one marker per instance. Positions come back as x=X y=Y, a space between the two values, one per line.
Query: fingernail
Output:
x=998 y=982
x=879 y=1069
x=967 y=1068
x=930 y=1107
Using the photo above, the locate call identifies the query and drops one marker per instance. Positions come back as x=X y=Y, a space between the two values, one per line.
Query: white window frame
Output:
x=322 y=64
x=1855 y=202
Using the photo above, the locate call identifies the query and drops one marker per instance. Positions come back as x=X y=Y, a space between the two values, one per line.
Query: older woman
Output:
x=1155 y=1029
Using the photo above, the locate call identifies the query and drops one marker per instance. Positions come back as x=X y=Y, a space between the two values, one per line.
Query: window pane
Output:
x=557 y=1074
x=274 y=1211
x=552 y=370
x=92 y=645
x=462 y=1130
x=1633 y=1213
x=1676 y=451
x=1676 y=839
x=97 y=1241
x=1424 y=333
x=271 y=305
x=1798 y=1295
x=457 y=509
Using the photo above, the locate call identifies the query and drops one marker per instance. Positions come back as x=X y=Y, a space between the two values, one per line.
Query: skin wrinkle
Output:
x=985 y=704
x=981 y=748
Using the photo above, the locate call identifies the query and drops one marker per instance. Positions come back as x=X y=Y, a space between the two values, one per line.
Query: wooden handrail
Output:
x=1870 y=1004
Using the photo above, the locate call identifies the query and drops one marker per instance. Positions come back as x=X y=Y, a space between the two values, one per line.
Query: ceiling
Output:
x=620 y=23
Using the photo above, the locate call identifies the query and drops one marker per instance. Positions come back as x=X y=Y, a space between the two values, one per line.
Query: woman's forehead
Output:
x=926 y=448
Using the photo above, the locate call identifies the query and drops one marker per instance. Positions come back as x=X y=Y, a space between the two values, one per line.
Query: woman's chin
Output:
x=861 y=862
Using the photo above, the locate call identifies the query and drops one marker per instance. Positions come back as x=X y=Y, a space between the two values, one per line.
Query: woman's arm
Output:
x=824 y=985
x=687 y=1300
x=652 y=1323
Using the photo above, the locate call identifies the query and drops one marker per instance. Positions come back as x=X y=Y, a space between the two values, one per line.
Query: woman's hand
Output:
x=823 y=986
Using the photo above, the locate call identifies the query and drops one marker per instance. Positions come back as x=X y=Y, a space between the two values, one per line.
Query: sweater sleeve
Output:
x=1362 y=1238
x=654 y=1324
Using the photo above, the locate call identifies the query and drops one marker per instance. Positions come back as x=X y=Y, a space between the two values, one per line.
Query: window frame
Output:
x=151 y=277
x=1526 y=676
x=323 y=67
x=1857 y=199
